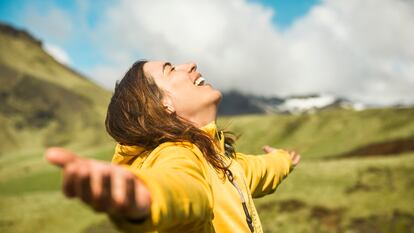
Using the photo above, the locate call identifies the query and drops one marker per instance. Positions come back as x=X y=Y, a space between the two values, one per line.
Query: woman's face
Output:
x=185 y=92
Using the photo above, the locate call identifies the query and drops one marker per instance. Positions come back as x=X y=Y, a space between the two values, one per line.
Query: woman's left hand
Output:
x=293 y=154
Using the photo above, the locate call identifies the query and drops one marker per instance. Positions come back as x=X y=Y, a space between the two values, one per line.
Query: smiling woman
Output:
x=173 y=170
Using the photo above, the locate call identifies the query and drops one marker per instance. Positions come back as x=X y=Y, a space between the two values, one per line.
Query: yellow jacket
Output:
x=188 y=195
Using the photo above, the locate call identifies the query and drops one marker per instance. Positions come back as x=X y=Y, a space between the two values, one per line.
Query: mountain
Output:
x=237 y=103
x=43 y=102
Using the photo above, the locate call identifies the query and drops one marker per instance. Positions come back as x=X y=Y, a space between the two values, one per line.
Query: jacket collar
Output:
x=211 y=129
x=217 y=136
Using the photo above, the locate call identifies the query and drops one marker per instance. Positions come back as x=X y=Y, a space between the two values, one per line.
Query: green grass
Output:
x=341 y=190
x=47 y=211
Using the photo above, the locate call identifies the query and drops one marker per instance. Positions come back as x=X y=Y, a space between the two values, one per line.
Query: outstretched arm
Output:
x=104 y=187
x=172 y=191
x=265 y=172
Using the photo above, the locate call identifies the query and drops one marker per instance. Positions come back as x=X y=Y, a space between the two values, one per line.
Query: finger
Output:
x=83 y=187
x=296 y=159
x=119 y=190
x=96 y=185
x=69 y=177
x=292 y=153
x=268 y=149
x=131 y=195
x=59 y=156
x=100 y=180
x=106 y=197
x=135 y=209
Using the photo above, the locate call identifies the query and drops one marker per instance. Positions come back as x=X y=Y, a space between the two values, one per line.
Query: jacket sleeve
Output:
x=179 y=187
x=265 y=172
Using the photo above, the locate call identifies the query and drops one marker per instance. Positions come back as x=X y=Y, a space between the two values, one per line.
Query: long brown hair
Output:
x=136 y=116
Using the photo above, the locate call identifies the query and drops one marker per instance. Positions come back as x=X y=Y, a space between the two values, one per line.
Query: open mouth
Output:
x=200 y=81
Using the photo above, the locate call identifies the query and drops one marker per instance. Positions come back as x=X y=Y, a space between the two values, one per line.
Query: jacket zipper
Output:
x=230 y=176
x=249 y=220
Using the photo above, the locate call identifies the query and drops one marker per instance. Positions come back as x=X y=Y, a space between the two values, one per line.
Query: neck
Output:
x=204 y=117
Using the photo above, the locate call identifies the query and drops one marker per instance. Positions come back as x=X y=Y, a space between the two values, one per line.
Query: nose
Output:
x=192 y=67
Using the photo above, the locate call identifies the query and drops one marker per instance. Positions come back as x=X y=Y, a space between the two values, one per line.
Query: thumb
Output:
x=59 y=156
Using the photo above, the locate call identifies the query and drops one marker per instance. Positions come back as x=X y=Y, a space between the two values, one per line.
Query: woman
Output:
x=172 y=171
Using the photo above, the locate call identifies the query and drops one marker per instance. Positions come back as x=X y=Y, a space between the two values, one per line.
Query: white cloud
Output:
x=58 y=53
x=349 y=49
x=358 y=49
x=223 y=37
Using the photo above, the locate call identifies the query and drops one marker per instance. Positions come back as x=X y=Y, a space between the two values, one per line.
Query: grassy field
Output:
x=357 y=194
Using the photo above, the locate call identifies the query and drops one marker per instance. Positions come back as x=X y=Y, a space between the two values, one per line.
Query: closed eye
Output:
x=167 y=67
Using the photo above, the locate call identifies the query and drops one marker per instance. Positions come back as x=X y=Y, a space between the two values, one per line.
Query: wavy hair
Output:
x=137 y=117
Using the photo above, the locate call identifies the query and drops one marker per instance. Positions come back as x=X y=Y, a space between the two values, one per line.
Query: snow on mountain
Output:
x=306 y=104
x=312 y=103
x=315 y=102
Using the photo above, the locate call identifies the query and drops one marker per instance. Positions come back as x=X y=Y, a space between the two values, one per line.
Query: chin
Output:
x=218 y=96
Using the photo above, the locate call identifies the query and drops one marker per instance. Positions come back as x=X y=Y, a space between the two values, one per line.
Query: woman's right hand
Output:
x=103 y=186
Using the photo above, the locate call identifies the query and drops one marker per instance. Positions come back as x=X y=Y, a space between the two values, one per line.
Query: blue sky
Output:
x=289 y=47
x=287 y=11
x=81 y=50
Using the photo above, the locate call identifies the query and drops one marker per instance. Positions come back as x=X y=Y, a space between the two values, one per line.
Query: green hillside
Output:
x=44 y=103
x=330 y=132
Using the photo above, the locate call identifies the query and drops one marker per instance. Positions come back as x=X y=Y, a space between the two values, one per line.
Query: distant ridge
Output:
x=237 y=103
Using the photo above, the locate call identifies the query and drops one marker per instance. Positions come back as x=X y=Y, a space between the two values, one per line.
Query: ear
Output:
x=168 y=104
